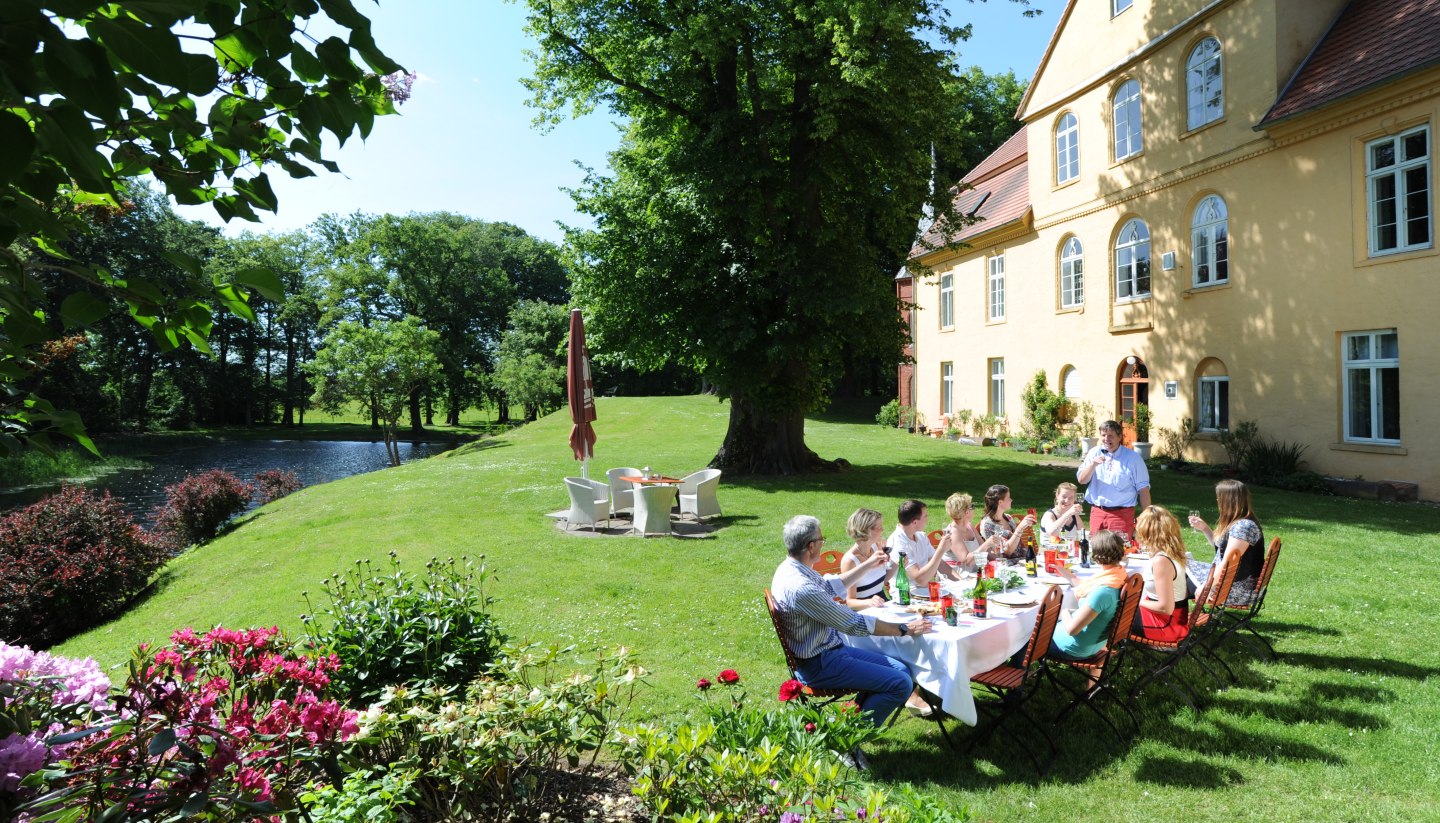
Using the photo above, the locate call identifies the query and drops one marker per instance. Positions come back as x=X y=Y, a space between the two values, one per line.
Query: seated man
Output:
x=923 y=562
x=812 y=621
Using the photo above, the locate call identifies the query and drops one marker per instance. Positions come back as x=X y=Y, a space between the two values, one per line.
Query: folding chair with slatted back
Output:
x=1015 y=685
x=1212 y=623
x=1236 y=617
x=1106 y=661
x=1164 y=657
x=827 y=696
x=829 y=562
x=935 y=538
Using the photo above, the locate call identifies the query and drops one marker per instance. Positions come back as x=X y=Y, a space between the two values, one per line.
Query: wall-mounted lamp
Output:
x=1130 y=361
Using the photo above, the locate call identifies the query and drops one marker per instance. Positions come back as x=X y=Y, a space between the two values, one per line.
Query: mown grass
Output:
x=1345 y=726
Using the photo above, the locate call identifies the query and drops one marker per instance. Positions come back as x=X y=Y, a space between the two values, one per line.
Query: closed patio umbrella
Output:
x=581 y=394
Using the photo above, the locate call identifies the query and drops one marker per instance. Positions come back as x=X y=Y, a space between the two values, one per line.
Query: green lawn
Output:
x=1346 y=726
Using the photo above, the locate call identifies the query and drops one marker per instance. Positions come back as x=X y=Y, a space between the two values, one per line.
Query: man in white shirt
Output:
x=1117 y=481
x=923 y=562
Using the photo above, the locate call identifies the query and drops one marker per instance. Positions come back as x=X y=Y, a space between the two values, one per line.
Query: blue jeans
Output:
x=885 y=681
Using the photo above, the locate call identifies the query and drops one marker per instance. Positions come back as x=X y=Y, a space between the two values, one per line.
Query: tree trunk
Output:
x=288 y=420
x=502 y=408
x=760 y=441
x=429 y=410
x=452 y=407
x=415 y=411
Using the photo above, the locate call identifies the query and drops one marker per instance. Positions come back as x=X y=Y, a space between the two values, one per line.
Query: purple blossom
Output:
x=20 y=756
x=71 y=681
x=791 y=817
x=397 y=85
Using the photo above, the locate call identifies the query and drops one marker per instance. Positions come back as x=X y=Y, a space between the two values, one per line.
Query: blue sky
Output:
x=464 y=142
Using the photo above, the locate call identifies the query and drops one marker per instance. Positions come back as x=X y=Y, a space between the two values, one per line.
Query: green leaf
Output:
x=81 y=72
x=81 y=309
x=262 y=280
x=161 y=743
x=334 y=55
x=195 y=804
x=237 y=50
x=187 y=262
x=151 y=51
x=306 y=67
x=65 y=132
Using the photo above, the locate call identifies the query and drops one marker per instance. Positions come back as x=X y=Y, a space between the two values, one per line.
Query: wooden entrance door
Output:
x=1133 y=388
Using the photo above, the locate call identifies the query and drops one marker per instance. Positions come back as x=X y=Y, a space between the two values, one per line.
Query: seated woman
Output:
x=965 y=539
x=1066 y=519
x=1237 y=531
x=997 y=523
x=866 y=528
x=1083 y=632
x=1163 y=614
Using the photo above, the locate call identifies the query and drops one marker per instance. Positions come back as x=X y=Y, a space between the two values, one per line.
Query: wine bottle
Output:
x=902 y=583
x=978 y=606
x=1085 y=549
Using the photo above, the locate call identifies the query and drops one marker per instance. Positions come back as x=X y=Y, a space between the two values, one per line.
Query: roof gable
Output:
x=995 y=193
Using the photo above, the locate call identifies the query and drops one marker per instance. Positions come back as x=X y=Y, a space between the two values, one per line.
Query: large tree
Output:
x=777 y=158
x=208 y=96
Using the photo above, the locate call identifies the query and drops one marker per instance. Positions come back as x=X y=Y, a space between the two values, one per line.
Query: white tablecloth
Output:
x=944 y=660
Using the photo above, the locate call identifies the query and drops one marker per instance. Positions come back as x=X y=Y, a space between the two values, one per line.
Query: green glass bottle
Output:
x=902 y=582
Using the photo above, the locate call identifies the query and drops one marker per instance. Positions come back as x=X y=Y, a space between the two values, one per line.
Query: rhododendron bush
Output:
x=224 y=724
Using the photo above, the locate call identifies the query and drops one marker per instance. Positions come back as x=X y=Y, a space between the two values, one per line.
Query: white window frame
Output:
x=1401 y=175
x=1067 y=148
x=996 y=288
x=1204 y=84
x=947 y=300
x=1126 y=119
x=1219 y=404
x=1117 y=6
x=1210 y=242
x=1070 y=384
x=997 y=386
x=947 y=388
x=1129 y=254
x=1373 y=364
x=1072 y=274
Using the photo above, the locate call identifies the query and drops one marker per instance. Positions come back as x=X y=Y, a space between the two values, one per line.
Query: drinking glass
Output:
x=1193 y=513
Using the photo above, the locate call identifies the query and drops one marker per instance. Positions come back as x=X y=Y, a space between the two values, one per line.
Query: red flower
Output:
x=729 y=677
x=790 y=689
x=809 y=727
x=703 y=684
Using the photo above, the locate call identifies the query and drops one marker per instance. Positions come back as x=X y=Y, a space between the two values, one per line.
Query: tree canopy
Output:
x=209 y=97
x=776 y=162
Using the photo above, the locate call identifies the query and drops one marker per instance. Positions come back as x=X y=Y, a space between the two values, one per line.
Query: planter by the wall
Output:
x=1088 y=443
x=1382 y=490
x=1143 y=449
x=989 y=441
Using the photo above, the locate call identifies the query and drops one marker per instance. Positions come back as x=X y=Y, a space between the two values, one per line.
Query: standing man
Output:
x=1117 y=481
x=812 y=620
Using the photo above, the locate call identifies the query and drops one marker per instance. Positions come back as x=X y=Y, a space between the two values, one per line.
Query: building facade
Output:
x=1221 y=208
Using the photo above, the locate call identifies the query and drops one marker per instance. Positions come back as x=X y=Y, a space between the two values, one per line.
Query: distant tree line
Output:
x=492 y=299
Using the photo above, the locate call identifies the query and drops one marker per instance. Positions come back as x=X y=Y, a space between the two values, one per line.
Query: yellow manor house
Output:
x=1224 y=210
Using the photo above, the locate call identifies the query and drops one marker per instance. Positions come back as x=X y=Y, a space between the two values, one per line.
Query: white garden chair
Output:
x=589 y=502
x=622 y=492
x=652 y=509
x=698 y=493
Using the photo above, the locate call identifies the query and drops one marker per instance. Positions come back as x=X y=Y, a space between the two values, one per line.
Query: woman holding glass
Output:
x=1164 y=612
x=965 y=540
x=1066 y=519
x=867 y=529
x=997 y=523
x=1237 y=532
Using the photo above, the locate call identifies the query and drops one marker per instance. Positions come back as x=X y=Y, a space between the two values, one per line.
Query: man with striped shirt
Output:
x=812 y=621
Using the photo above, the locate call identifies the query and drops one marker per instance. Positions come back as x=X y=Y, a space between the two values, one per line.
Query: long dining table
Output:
x=943 y=660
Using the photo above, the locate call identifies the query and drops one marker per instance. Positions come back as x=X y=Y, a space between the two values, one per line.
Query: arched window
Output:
x=1070 y=382
x=1204 y=89
x=1210 y=241
x=1212 y=396
x=1072 y=274
x=1125 y=114
x=1132 y=261
x=1067 y=148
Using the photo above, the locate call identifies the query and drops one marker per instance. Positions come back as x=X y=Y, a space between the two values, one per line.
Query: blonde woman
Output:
x=867 y=528
x=1237 y=531
x=965 y=539
x=1066 y=519
x=1164 y=607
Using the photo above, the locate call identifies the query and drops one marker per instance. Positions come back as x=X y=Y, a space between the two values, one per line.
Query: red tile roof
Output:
x=998 y=193
x=1371 y=42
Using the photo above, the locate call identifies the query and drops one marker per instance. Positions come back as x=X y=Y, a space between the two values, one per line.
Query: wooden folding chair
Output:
x=1234 y=618
x=1106 y=661
x=1165 y=657
x=827 y=696
x=935 y=538
x=1015 y=685
x=829 y=562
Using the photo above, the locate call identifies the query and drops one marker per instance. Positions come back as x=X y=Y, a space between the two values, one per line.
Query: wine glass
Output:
x=1193 y=514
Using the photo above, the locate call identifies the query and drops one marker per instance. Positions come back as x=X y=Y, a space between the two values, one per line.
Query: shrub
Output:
x=499 y=753
x=273 y=484
x=889 y=415
x=1174 y=443
x=743 y=763
x=1238 y=441
x=196 y=507
x=70 y=561
x=223 y=725
x=1044 y=409
x=403 y=629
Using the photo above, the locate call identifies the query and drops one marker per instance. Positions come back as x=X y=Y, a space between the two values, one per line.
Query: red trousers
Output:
x=1115 y=520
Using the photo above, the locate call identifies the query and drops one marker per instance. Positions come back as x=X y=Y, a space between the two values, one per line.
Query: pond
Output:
x=171 y=459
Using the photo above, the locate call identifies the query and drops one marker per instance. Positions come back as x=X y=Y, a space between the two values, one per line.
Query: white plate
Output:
x=1053 y=580
x=1015 y=599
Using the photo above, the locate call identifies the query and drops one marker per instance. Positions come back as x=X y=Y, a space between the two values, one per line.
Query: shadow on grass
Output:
x=1359 y=665
x=1186 y=773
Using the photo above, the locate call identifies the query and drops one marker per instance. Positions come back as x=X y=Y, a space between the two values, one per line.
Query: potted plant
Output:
x=964 y=416
x=1142 y=430
x=1085 y=427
